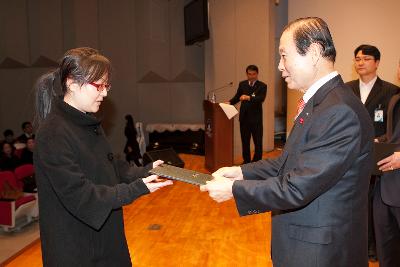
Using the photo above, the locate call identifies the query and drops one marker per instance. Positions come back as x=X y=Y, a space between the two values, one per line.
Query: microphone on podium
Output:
x=211 y=95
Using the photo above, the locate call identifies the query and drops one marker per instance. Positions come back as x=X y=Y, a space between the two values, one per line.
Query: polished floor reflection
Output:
x=180 y=226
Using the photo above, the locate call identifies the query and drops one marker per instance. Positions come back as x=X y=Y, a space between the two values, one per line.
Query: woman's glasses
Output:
x=102 y=86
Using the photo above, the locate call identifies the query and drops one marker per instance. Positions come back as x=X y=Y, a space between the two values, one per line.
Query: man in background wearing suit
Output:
x=387 y=197
x=316 y=189
x=373 y=92
x=27 y=132
x=375 y=95
x=251 y=93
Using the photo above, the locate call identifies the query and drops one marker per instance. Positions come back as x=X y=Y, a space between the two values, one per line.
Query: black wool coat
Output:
x=81 y=190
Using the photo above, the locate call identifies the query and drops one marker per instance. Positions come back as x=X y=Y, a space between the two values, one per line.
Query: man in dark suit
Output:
x=387 y=198
x=27 y=132
x=316 y=189
x=251 y=93
x=375 y=94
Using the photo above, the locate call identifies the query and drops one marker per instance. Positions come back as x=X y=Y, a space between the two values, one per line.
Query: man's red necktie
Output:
x=300 y=106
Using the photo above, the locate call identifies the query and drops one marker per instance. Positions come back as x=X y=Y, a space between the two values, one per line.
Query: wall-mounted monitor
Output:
x=196 y=21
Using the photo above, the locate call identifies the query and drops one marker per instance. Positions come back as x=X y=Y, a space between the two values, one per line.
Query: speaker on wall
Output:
x=168 y=155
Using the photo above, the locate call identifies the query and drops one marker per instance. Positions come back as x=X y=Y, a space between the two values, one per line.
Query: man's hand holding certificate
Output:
x=220 y=188
x=218 y=185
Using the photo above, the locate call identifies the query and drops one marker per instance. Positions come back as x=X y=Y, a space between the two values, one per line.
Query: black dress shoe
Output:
x=372 y=255
x=372 y=258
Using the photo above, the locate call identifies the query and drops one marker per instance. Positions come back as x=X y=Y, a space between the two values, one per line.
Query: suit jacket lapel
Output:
x=325 y=89
x=356 y=88
x=314 y=101
x=374 y=91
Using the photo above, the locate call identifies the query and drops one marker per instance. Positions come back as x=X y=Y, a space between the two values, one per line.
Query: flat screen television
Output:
x=196 y=21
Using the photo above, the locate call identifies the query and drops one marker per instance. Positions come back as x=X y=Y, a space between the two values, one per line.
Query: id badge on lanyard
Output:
x=378 y=114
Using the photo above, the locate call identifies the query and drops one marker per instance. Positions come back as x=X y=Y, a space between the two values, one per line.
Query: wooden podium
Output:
x=218 y=143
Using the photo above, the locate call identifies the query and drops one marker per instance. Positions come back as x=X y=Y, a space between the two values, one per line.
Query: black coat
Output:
x=134 y=154
x=23 y=138
x=250 y=111
x=9 y=163
x=26 y=156
x=82 y=188
x=380 y=95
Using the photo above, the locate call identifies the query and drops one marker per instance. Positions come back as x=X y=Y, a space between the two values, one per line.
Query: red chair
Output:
x=14 y=214
x=23 y=171
x=9 y=177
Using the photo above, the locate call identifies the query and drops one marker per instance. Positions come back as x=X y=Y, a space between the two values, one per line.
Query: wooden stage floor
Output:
x=181 y=226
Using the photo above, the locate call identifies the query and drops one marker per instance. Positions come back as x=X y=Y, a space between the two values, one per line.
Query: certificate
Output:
x=180 y=174
x=230 y=111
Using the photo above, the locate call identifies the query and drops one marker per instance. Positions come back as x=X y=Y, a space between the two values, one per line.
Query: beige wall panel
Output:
x=14 y=31
x=45 y=29
x=240 y=36
x=353 y=23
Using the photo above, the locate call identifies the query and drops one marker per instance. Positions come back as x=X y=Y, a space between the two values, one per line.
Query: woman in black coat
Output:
x=81 y=186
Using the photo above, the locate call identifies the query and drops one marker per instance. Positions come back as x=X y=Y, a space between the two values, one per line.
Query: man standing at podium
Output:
x=251 y=93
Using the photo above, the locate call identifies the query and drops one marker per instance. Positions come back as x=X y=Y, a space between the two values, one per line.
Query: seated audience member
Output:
x=27 y=152
x=8 y=136
x=8 y=160
x=28 y=132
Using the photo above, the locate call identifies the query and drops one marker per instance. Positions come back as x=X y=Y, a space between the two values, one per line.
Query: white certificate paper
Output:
x=230 y=111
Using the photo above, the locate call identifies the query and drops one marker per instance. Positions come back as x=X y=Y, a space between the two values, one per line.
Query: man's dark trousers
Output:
x=248 y=130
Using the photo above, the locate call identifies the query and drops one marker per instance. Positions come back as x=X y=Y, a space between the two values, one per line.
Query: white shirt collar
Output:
x=370 y=83
x=318 y=84
x=365 y=89
x=253 y=82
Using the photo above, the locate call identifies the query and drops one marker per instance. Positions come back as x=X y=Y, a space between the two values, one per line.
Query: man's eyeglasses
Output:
x=364 y=59
x=102 y=86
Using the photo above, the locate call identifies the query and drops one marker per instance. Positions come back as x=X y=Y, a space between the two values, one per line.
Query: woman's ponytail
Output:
x=46 y=88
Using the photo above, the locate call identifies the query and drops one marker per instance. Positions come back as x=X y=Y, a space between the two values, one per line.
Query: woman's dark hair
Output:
x=83 y=65
x=307 y=31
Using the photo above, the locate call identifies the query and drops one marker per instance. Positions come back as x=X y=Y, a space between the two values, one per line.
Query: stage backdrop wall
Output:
x=241 y=33
x=157 y=78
